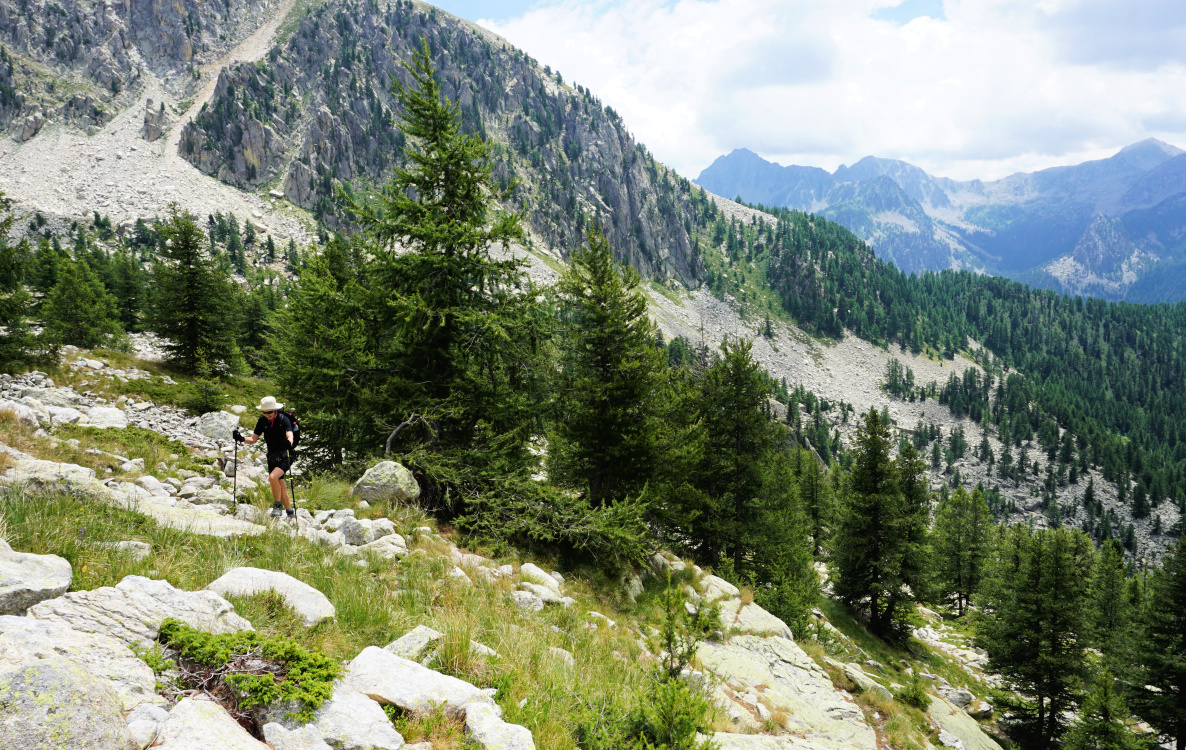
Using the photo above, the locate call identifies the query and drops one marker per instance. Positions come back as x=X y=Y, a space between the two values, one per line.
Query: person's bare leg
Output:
x=284 y=498
x=276 y=479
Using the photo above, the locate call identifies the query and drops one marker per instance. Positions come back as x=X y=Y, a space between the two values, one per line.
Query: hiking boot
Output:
x=277 y=510
x=291 y=514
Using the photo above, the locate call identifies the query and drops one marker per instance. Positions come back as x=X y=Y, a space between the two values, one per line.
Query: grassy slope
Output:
x=382 y=601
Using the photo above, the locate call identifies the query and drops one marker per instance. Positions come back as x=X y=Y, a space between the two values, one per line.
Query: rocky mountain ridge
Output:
x=1033 y=226
x=316 y=115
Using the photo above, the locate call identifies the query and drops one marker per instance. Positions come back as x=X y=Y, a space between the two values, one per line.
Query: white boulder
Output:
x=310 y=604
x=54 y=703
x=390 y=679
x=387 y=480
x=26 y=579
x=217 y=425
x=106 y=417
x=485 y=727
x=132 y=611
x=203 y=725
x=24 y=640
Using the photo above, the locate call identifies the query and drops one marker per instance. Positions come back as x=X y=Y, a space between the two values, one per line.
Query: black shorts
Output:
x=281 y=460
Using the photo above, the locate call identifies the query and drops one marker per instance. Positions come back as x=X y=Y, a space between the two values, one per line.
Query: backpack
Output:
x=296 y=428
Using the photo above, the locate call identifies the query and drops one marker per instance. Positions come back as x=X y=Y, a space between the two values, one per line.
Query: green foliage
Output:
x=79 y=311
x=1157 y=670
x=674 y=710
x=205 y=396
x=1100 y=724
x=914 y=694
x=602 y=431
x=154 y=657
x=880 y=550
x=16 y=343
x=305 y=676
x=1109 y=609
x=192 y=301
x=961 y=544
x=1034 y=621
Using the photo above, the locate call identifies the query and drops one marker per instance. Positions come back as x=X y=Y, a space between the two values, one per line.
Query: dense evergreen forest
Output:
x=1110 y=374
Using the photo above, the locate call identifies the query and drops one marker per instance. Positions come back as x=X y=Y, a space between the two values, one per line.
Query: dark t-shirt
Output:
x=274 y=432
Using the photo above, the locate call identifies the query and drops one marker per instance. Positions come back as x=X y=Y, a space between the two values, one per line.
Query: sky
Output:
x=962 y=88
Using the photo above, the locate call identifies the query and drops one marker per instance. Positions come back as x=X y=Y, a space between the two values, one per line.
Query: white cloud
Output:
x=999 y=86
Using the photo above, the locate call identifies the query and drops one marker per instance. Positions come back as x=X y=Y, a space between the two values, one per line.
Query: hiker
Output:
x=277 y=430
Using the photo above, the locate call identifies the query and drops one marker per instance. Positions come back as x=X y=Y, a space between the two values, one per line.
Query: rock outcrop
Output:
x=26 y=579
x=132 y=611
x=202 y=725
x=775 y=672
x=576 y=162
x=53 y=704
x=24 y=641
x=392 y=680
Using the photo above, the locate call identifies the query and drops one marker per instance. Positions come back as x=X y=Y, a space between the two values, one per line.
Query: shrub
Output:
x=913 y=694
x=256 y=671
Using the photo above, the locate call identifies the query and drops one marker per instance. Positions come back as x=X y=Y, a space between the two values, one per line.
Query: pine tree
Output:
x=962 y=526
x=454 y=332
x=740 y=442
x=1109 y=609
x=1100 y=724
x=1158 y=669
x=816 y=498
x=1033 y=621
x=320 y=351
x=15 y=302
x=128 y=288
x=192 y=302
x=878 y=549
x=602 y=437
x=79 y=311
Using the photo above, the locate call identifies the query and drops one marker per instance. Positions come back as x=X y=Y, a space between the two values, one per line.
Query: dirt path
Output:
x=249 y=50
x=62 y=171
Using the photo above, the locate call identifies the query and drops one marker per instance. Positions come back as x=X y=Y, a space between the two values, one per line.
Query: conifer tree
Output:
x=740 y=441
x=1109 y=608
x=15 y=302
x=320 y=352
x=192 y=302
x=79 y=311
x=1100 y=724
x=1158 y=673
x=816 y=498
x=1034 y=621
x=128 y=288
x=602 y=437
x=878 y=549
x=962 y=526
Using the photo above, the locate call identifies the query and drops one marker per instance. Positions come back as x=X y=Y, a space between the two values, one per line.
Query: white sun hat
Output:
x=268 y=403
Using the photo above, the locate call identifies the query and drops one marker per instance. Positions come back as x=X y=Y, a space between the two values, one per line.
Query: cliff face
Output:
x=79 y=61
x=318 y=112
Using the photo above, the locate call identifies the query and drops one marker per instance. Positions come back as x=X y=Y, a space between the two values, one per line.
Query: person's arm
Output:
x=289 y=436
x=251 y=438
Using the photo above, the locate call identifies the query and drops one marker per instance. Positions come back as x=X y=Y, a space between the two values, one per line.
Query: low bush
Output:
x=247 y=670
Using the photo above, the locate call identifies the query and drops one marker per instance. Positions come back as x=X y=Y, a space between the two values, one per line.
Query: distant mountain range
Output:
x=1113 y=228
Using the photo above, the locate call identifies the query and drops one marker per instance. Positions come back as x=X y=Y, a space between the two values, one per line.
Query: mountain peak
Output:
x=1151 y=145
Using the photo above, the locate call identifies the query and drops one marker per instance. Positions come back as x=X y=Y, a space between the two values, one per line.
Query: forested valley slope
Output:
x=579 y=355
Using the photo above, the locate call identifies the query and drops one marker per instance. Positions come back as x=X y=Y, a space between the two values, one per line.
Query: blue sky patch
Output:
x=908 y=10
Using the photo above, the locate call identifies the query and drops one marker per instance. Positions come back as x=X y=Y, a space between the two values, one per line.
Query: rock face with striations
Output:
x=132 y=611
x=296 y=119
x=104 y=48
x=310 y=604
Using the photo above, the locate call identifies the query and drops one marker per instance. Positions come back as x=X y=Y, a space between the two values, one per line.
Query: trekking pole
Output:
x=235 y=476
